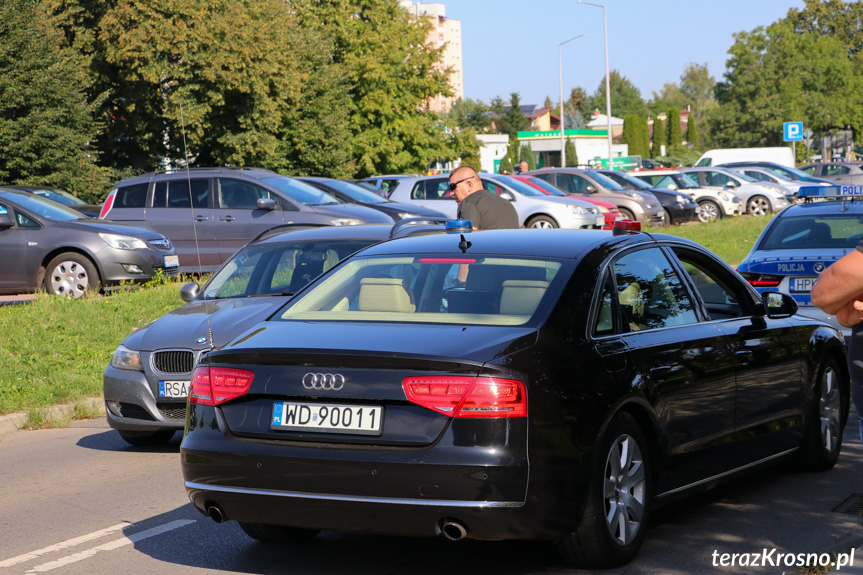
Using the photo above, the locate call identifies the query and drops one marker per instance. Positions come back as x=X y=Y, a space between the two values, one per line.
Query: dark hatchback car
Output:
x=210 y=213
x=679 y=206
x=350 y=193
x=45 y=245
x=62 y=197
x=146 y=383
x=575 y=380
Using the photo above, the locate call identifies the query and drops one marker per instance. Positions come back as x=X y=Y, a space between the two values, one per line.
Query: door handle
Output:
x=201 y=218
x=227 y=219
x=744 y=356
x=660 y=371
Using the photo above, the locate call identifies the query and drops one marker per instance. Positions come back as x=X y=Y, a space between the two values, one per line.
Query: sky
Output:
x=513 y=46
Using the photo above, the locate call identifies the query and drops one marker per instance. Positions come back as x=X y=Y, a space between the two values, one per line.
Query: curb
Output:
x=15 y=421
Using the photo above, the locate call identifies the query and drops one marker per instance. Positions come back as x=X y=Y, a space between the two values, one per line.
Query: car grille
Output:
x=164 y=245
x=173 y=361
x=171 y=272
x=172 y=410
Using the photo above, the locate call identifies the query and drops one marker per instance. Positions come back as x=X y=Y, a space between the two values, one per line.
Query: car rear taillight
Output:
x=216 y=385
x=109 y=203
x=464 y=396
x=762 y=280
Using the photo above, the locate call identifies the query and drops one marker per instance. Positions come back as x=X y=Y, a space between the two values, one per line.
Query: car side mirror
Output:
x=6 y=221
x=189 y=291
x=266 y=204
x=507 y=196
x=778 y=305
x=731 y=184
x=590 y=189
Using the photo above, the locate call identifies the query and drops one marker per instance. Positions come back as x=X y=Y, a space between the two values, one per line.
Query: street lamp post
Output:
x=560 y=77
x=607 y=79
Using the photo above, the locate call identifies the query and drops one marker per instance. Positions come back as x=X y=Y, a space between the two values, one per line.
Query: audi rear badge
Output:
x=325 y=381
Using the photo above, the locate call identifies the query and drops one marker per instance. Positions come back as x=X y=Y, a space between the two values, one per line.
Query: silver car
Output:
x=535 y=209
x=757 y=198
x=45 y=245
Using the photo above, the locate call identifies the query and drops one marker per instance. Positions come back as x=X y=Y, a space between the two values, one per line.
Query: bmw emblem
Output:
x=819 y=267
x=201 y=340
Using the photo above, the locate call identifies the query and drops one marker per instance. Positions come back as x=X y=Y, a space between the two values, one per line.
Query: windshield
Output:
x=355 y=192
x=499 y=290
x=59 y=196
x=742 y=176
x=519 y=186
x=840 y=231
x=278 y=269
x=629 y=179
x=552 y=190
x=791 y=173
x=46 y=208
x=604 y=181
x=300 y=191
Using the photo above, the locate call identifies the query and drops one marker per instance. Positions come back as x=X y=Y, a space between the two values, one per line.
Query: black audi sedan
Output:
x=514 y=384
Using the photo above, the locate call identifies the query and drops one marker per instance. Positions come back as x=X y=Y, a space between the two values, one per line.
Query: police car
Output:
x=802 y=240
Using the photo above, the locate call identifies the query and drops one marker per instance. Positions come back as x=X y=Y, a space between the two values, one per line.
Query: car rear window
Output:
x=133 y=196
x=428 y=289
x=841 y=231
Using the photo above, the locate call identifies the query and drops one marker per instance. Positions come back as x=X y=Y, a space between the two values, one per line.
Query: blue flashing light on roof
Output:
x=831 y=192
x=459 y=226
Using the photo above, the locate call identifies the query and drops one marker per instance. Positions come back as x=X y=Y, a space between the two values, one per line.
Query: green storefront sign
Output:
x=624 y=163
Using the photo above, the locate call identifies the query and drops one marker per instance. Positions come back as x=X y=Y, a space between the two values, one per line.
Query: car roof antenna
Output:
x=464 y=244
x=209 y=341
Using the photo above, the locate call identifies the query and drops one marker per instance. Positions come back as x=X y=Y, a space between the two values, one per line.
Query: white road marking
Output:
x=110 y=546
x=63 y=545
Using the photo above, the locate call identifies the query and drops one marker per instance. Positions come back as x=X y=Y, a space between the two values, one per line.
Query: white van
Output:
x=781 y=155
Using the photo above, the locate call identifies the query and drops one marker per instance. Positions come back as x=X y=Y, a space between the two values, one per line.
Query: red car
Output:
x=608 y=209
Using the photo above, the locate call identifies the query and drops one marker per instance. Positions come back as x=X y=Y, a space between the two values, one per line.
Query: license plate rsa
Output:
x=179 y=389
x=172 y=261
x=327 y=417
x=802 y=285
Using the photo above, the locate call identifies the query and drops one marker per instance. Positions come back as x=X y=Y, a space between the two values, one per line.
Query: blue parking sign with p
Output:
x=793 y=131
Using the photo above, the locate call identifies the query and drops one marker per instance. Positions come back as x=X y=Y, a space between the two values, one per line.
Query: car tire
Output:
x=620 y=487
x=542 y=222
x=278 y=533
x=709 y=211
x=668 y=219
x=71 y=275
x=758 y=206
x=828 y=412
x=146 y=438
x=626 y=214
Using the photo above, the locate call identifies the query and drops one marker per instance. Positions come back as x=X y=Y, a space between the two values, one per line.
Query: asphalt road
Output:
x=79 y=500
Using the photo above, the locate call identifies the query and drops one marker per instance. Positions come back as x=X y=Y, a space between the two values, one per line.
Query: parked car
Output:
x=844 y=173
x=353 y=194
x=772 y=177
x=712 y=204
x=535 y=209
x=787 y=172
x=800 y=242
x=61 y=197
x=578 y=380
x=757 y=198
x=146 y=383
x=45 y=245
x=679 y=207
x=210 y=213
x=640 y=206
x=387 y=183
x=609 y=210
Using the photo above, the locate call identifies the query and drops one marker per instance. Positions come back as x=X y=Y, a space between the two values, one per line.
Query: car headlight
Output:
x=345 y=222
x=124 y=242
x=580 y=210
x=725 y=197
x=681 y=199
x=634 y=196
x=406 y=215
x=125 y=358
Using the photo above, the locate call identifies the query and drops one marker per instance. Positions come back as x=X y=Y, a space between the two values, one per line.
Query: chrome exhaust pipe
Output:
x=452 y=529
x=215 y=513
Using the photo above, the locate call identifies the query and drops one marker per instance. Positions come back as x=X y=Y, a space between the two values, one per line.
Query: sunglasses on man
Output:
x=454 y=185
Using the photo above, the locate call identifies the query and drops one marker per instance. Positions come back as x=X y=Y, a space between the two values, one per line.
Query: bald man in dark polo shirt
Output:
x=485 y=209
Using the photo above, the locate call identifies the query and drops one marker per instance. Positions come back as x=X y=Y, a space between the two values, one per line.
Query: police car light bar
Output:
x=830 y=192
x=459 y=226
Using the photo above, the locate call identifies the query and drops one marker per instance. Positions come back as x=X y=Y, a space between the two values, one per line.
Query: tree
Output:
x=675 y=134
x=580 y=101
x=698 y=87
x=513 y=121
x=671 y=96
x=692 y=132
x=571 y=156
x=548 y=103
x=631 y=136
x=645 y=136
x=45 y=122
x=625 y=97
x=471 y=114
x=464 y=148
x=526 y=155
x=659 y=137
x=505 y=166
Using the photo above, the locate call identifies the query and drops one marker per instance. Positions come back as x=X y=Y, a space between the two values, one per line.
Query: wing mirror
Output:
x=590 y=189
x=190 y=291
x=778 y=305
x=266 y=204
x=507 y=196
x=5 y=221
